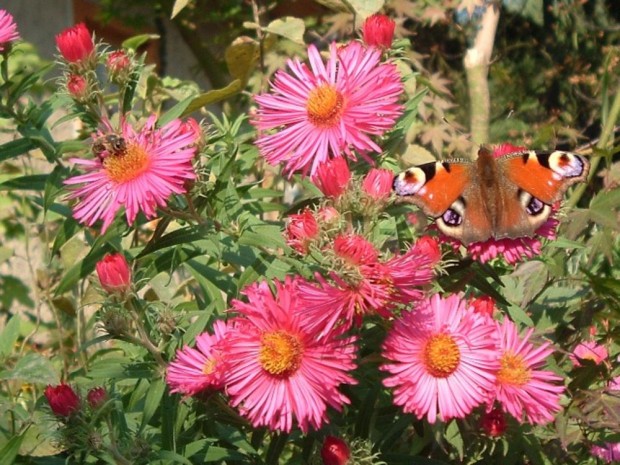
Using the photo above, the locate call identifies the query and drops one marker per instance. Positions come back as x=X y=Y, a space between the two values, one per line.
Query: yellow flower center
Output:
x=513 y=370
x=441 y=355
x=280 y=353
x=209 y=366
x=324 y=106
x=127 y=165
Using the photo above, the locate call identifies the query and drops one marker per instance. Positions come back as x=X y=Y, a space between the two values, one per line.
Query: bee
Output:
x=109 y=145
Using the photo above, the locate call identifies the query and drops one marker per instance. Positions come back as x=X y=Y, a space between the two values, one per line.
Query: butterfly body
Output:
x=491 y=198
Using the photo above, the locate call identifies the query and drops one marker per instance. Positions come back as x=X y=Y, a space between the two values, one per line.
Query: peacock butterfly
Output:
x=491 y=198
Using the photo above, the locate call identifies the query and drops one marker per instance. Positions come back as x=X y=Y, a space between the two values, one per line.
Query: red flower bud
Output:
x=484 y=305
x=493 y=423
x=301 y=230
x=77 y=86
x=118 y=62
x=355 y=249
x=335 y=451
x=378 y=31
x=75 y=44
x=332 y=177
x=96 y=397
x=114 y=273
x=62 y=399
x=378 y=183
x=428 y=246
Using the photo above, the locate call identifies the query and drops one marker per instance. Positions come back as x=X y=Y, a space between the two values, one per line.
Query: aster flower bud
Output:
x=62 y=399
x=114 y=273
x=335 y=451
x=119 y=66
x=354 y=249
x=378 y=31
x=332 y=177
x=77 y=87
x=75 y=44
x=96 y=397
x=485 y=305
x=378 y=183
x=301 y=229
x=493 y=423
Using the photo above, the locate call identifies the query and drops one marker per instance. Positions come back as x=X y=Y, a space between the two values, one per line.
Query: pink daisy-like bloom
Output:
x=195 y=369
x=609 y=452
x=513 y=250
x=155 y=163
x=443 y=359
x=328 y=109
x=8 y=29
x=279 y=371
x=523 y=389
x=588 y=350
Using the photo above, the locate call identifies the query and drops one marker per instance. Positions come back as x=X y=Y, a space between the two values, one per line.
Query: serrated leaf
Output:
x=213 y=96
x=133 y=43
x=178 y=6
x=32 y=368
x=289 y=27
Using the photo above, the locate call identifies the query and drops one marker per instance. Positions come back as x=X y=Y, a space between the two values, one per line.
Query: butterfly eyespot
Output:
x=534 y=206
x=451 y=218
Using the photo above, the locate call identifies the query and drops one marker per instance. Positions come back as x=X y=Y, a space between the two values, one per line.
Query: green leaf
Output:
x=9 y=336
x=152 y=401
x=219 y=454
x=289 y=27
x=214 y=96
x=133 y=43
x=34 y=182
x=175 y=112
x=241 y=57
x=173 y=457
x=178 y=6
x=10 y=450
x=15 y=147
x=454 y=437
x=32 y=368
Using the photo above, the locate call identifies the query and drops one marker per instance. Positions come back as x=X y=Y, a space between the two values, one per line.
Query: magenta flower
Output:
x=378 y=183
x=8 y=29
x=279 y=371
x=195 y=369
x=355 y=249
x=588 y=350
x=114 y=273
x=155 y=163
x=609 y=452
x=442 y=359
x=328 y=109
x=522 y=388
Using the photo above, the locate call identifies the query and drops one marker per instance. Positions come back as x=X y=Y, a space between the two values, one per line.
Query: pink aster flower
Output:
x=522 y=388
x=609 y=452
x=328 y=109
x=588 y=350
x=195 y=369
x=8 y=29
x=152 y=164
x=443 y=359
x=279 y=371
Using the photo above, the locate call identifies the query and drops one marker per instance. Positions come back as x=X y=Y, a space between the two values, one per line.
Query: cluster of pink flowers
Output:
x=443 y=359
